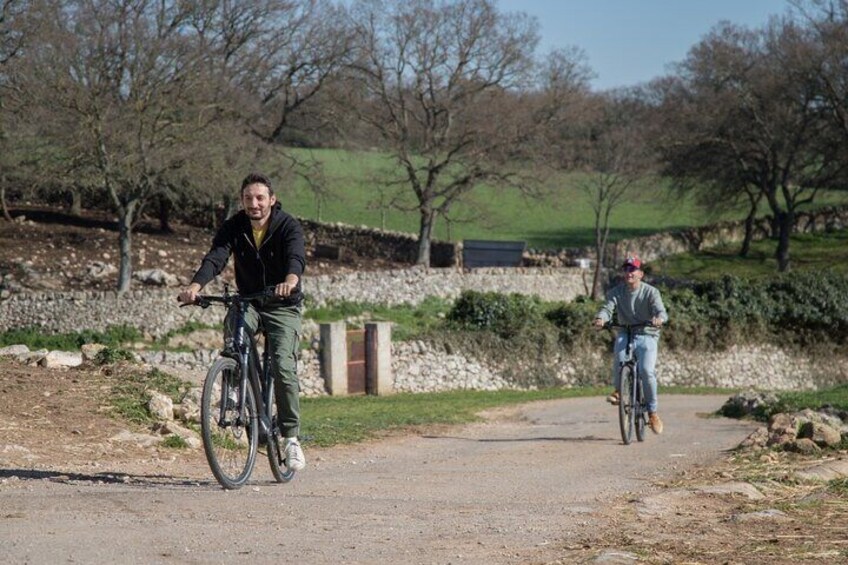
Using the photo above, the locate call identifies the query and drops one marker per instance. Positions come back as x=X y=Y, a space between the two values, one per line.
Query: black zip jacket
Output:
x=282 y=252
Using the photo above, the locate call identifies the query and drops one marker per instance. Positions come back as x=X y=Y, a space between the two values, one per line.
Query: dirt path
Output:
x=516 y=489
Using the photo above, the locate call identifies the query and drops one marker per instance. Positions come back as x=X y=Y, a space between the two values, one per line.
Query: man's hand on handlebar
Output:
x=656 y=322
x=189 y=294
x=287 y=287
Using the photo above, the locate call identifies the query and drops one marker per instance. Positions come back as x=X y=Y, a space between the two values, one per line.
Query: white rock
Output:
x=56 y=359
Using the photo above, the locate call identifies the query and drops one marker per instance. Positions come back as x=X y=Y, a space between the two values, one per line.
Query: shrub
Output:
x=504 y=314
x=35 y=338
x=805 y=309
x=112 y=355
x=574 y=322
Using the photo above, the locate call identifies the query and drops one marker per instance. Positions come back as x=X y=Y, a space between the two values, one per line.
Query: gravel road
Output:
x=514 y=489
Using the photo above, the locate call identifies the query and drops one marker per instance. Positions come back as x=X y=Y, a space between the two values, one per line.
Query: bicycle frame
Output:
x=632 y=409
x=244 y=348
x=251 y=411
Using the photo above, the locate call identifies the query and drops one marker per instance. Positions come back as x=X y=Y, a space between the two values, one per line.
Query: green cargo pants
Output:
x=282 y=324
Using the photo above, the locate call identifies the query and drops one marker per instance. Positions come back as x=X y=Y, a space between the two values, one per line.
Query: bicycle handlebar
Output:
x=206 y=300
x=610 y=326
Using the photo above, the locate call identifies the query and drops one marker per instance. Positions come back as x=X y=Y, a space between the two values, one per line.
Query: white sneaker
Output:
x=295 y=461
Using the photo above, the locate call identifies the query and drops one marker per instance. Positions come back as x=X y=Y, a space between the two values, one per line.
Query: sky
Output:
x=628 y=42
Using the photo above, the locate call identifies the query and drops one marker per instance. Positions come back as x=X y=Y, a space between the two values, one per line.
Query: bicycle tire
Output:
x=230 y=448
x=639 y=410
x=625 y=404
x=274 y=447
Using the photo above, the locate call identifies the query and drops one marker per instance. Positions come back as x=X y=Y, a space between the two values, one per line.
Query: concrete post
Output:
x=334 y=357
x=378 y=358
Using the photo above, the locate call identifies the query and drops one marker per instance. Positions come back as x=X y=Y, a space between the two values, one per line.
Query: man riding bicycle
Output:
x=636 y=302
x=268 y=249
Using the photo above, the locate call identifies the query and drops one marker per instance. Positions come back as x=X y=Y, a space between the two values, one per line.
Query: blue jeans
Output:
x=645 y=350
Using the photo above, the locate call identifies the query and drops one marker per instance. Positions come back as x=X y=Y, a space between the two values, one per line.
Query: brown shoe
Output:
x=655 y=423
x=614 y=398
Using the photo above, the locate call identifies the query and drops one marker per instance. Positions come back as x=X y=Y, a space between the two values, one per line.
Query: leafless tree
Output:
x=828 y=22
x=127 y=84
x=13 y=33
x=273 y=58
x=753 y=116
x=614 y=158
x=439 y=80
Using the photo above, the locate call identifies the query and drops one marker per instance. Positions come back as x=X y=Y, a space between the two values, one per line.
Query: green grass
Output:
x=836 y=397
x=563 y=218
x=806 y=252
x=131 y=394
x=409 y=321
x=35 y=338
x=333 y=420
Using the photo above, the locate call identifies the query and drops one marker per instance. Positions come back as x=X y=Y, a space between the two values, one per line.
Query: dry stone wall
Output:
x=398 y=246
x=156 y=312
x=419 y=366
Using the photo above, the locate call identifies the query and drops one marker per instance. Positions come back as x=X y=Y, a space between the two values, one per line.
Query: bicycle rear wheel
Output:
x=230 y=442
x=625 y=405
x=639 y=409
x=276 y=456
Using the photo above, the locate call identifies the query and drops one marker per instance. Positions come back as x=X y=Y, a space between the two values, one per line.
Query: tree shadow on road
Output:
x=65 y=477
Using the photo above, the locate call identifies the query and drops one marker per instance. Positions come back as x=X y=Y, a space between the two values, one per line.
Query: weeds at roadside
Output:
x=130 y=394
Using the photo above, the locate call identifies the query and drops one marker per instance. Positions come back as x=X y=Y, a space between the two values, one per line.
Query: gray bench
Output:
x=480 y=253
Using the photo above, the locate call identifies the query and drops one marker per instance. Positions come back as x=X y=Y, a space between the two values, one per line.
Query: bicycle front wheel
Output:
x=276 y=456
x=625 y=405
x=229 y=440
x=639 y=410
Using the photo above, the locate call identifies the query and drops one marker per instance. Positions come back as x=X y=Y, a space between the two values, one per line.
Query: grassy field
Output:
x=563 y=218
x=806 y=252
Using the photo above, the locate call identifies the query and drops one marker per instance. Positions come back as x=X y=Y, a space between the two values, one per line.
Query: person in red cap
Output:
x=636 y=302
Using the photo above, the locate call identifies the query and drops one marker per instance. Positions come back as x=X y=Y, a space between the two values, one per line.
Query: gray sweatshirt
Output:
x=634 y=307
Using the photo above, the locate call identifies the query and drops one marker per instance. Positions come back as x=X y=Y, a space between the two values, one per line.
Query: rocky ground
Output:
x=753 y=505
x=45 y=249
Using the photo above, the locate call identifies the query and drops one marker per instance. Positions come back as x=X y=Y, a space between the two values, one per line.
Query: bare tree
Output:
x=13 y=33
x=273 y=58
x=828 y=22
x=754 y=117
x=127 y=83
x=435 y=74
x=614 y=158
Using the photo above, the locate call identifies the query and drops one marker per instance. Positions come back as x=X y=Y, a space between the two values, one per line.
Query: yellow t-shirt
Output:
x=259 y=235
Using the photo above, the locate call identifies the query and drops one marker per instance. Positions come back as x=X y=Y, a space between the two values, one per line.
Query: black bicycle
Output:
x=632 y=407
x=237 y=410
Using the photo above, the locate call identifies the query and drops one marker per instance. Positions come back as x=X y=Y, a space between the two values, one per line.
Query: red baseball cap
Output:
x=633 y=262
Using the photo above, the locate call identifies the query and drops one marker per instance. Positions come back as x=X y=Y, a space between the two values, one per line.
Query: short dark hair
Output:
x=257 y=178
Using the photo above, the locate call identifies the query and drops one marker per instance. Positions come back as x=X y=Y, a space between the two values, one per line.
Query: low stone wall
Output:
x=412 y=286
x=418 y=366
x=156 y=312
x=364 y=241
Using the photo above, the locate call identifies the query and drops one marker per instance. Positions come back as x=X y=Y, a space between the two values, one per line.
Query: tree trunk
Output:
x=230 y=208
x=125 y=221
x=75 y=205
x=425 y=233
x=596 y=276
x=785 y=221
x=165 y=215
x=6 y=213
x=749 y=235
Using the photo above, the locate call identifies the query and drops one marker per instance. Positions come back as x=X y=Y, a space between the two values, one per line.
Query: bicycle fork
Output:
x=240 y=352
x=266 y=390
